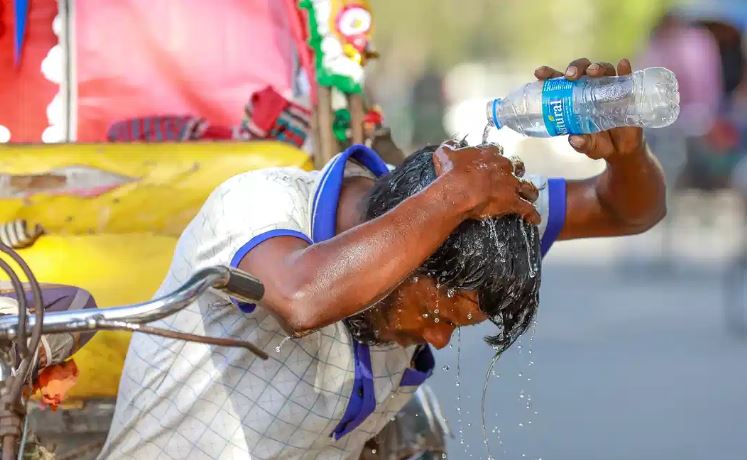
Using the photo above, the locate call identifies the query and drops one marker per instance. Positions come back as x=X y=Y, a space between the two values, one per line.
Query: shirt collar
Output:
x=329 y=186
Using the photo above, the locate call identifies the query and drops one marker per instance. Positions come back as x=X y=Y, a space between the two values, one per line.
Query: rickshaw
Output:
x=101 y=203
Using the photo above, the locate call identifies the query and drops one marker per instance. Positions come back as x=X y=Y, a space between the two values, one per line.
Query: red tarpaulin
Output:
x=140 y=57
x=136 y=58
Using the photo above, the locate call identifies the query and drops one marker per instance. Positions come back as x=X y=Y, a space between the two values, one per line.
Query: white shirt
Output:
x=187 y=400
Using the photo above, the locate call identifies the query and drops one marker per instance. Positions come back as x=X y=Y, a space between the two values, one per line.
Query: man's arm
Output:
x=629 y=196
x=311 y=286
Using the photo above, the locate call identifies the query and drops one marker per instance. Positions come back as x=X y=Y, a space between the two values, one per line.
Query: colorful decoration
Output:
x=341 y=125
x=340 y=35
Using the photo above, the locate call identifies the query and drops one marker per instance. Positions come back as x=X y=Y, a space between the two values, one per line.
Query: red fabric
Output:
x=24 y=92
x=139 y=57
x=266 y=107
x=217 y=133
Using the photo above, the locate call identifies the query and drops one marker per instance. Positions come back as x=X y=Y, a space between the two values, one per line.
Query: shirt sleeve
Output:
x=240 y=214
x=551 y=205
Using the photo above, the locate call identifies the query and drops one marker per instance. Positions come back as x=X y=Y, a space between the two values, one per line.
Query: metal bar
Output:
x=219 y=341
x=85 y=320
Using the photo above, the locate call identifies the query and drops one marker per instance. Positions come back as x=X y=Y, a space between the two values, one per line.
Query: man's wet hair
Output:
x=499 y=258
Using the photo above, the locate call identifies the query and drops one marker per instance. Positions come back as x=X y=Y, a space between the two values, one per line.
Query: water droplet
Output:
x=521 y=375
x=436 y=311
x=425 y=315
x=523 y=455
x=373 y=451
x=529 y=422
x=536 y=413
x=277 y=348
x=445 y=368
x=521 y=425
x=521 y=395
x=469 y=315
x=450 y=292
x=436 y=320
x=443 y=455
x=457 y=384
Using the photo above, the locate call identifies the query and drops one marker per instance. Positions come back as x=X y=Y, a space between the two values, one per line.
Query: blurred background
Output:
x=640 y=347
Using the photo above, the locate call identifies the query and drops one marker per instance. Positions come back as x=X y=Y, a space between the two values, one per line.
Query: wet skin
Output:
x=419 y=312
x=310 y=286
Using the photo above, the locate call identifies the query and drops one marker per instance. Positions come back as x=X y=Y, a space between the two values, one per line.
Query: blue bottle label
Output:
x=557 y=107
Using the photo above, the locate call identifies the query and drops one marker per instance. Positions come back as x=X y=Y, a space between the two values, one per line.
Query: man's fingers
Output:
x=528 y=191
x=546 y=73
x=527 y=211
x=518 y=167
x=441 y=161
x=601 y=69
x=577 y=69
x=624 y=67
x=594 y=146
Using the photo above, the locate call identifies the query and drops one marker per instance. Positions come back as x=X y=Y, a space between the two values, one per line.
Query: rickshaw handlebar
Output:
x=235 y=282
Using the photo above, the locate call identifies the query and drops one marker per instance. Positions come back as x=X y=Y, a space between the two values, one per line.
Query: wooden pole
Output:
x=327 y=142
x=355 y=105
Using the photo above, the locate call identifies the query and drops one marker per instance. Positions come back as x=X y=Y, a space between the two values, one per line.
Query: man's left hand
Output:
x=609 y=145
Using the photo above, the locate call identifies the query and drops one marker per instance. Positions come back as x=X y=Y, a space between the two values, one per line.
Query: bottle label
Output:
x=557 y=107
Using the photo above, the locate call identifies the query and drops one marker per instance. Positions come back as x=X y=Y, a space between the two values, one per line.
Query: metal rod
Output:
x=85 y=320
x=219 y=341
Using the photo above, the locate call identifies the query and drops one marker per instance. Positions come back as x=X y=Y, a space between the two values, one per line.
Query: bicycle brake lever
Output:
x=219 y=341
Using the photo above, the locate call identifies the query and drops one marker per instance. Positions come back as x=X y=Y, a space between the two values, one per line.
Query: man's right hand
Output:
x=489 y=183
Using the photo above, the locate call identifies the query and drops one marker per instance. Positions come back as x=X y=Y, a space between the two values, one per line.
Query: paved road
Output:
x=627 y=366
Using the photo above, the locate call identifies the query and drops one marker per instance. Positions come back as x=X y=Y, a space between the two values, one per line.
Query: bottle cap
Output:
x=493 y=116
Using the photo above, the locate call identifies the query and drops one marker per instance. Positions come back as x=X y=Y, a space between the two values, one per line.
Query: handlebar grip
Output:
x=244 y=286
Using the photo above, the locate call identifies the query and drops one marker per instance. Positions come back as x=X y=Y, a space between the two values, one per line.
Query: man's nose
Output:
x=438 y=335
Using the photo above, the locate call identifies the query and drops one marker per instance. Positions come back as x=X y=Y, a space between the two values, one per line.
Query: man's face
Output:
x=419 y=312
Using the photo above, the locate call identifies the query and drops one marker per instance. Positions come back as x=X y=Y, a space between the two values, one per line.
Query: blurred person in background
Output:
x=428 y=107
x=692 y=53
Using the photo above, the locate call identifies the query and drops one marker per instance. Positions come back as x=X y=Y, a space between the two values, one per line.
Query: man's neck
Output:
x=350 y=212
x=352 y=204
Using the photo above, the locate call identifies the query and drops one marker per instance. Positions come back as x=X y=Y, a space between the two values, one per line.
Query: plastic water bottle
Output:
x=648 y=98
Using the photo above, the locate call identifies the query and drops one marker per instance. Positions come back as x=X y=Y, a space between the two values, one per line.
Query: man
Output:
x=363 y=274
